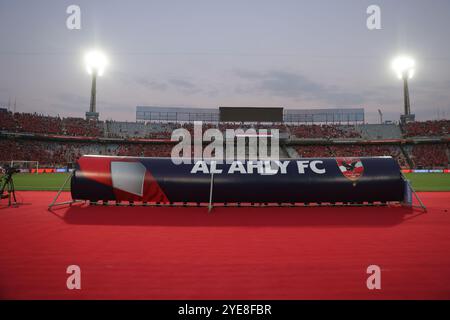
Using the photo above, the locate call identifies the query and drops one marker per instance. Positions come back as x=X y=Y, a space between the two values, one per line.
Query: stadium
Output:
x=46 y=148
x=185 y=202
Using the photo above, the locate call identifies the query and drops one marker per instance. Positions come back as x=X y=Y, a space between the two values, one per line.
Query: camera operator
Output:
x=7 y=184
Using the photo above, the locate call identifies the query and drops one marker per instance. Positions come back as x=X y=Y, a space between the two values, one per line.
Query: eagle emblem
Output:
x=351 y=168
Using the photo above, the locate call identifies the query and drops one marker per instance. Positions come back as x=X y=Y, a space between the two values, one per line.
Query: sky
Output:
x=207 y=53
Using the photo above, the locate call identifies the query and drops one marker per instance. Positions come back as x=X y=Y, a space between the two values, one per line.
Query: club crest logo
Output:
x=351 y=168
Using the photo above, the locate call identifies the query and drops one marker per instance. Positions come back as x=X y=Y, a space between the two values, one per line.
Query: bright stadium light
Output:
x=96 y=63
x=404 y=67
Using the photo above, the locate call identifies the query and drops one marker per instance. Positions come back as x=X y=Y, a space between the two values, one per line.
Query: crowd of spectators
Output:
x=81 y=127
x=41 y=124
x=430 y=156
x=57 y=152
x=164 y=130
x=422 y=155
x=144 y=150
x=370 y=151
x=427 y=128
x=27 y=122
x=323 y=131
x=313 y=151
x=354 y=150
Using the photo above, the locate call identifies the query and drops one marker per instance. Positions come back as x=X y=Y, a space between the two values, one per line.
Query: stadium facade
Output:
x=176 y=114
x=188 y=114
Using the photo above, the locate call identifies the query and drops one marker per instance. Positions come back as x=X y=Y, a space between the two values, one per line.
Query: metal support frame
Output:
x=421 y=206
x=210 y=204
x=54 y=203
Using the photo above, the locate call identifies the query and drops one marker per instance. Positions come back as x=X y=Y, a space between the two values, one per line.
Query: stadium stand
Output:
x=427 y=128
x=56 y=152
x=116 y=129
x=151 y=130
x=27 y=122
x=311 y=151
x=353 y=150
x=7 y=121
x=81 y=127
x=54 y=140
x=379 y=131
x=430 y=156
x=36 y=123
x=323 y=131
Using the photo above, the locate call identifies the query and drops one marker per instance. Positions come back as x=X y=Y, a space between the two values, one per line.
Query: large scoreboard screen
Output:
x=247 y=114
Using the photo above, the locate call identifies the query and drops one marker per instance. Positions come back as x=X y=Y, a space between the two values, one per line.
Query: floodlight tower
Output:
x=96 y=63
x=404 y=67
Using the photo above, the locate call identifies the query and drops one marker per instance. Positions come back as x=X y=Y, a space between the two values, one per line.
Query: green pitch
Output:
x=43 y=181
x=53 y=181
x=430 y=181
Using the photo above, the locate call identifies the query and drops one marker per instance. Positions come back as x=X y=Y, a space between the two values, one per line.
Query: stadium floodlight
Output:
x=404 y=67
x=96 y=63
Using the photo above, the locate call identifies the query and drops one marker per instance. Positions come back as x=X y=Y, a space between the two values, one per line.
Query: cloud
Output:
x=185 y=86
x=150 y=84
x=424 y=94
x=294 y=86
x=142 y=81
x=70 y=98
x=77 y=104
x=180 y=85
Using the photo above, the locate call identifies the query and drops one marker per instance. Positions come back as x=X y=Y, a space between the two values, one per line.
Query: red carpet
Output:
x=233 y=253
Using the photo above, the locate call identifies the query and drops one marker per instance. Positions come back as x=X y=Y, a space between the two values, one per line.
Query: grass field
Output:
x=44 y=181
x=53 y=181
x=430 y=181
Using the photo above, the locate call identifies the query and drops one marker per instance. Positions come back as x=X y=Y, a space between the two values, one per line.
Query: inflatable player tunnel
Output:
x=308 y=180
